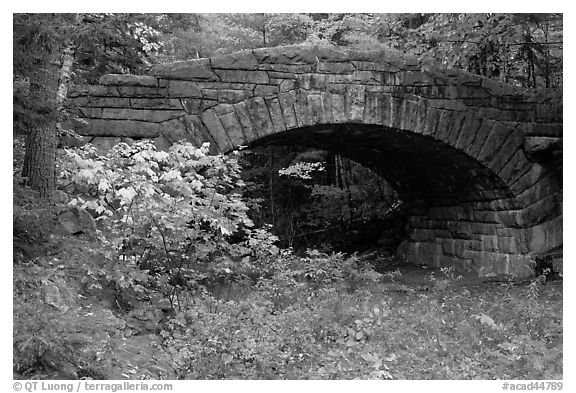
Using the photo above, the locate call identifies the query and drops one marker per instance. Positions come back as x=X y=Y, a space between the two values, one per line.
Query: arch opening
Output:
x=419 y=167
x=314 y=198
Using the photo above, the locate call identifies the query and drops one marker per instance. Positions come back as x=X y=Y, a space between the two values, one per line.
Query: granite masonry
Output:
x=477 y=162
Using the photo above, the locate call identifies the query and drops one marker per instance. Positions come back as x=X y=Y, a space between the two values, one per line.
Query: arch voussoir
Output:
x=302 y=109
x=482 y=134
x=260 y=116
x=216 y=130
x=276 y=114
x=286 y=101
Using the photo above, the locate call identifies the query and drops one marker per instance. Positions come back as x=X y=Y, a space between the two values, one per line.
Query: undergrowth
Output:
x=177 y=270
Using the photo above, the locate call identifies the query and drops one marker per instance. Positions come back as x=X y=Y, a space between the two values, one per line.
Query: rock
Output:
x=77 y=221
x=69 y=140
x=103 y=144
x=541 y=148
x=164 y=304
x=402 y=250
x=53 y=295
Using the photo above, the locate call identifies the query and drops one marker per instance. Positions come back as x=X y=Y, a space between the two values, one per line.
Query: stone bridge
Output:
x=477 y=162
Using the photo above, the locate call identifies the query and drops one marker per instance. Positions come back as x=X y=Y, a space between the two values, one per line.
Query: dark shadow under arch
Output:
x=419 y=167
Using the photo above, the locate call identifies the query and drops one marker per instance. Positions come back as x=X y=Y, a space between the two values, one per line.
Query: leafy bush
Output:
x=177 y=214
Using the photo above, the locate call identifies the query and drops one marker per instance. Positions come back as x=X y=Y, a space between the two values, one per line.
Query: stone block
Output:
x=455 y=128
x=187 y=129
x=525 y=178
x=281 y=75
x=114 y=128
x=420 y=116
x=152 y=103
x=508 y=245
x=162 y=143
x=233 y=129
x=423 y=235
x=314 y=81
x=260 y=116
x=216 y=130
x=258 y=77
x=513 y=142
x=386 y=109
x=99 y=102
x=128 y=80
x=266 y=90
x=554 y=130
x=396 y=113
x=302 y=109
x=355 y=103
x=367 y=77
x=517 y=166
x=276 y=114
x=408 y=114
x=286 y=101
x=431 y=121
x=316 y=105
x=92 y=91
x=287 y=85
x=543 y=210
x=493 y=143
x=244 y=60
x=232 y=96
x=186 y=89
x=443 y=127
x=145 y=92
x=548 y=113
x=460 y=264
x=148 y=115
x=88 y=112
x=190 y=70
x=549 y=184
x=483 y=131
x=222 y=109
x=328 y=109
x=335 y=68
x=546 y=236
x=424 y=253
x=538 y=148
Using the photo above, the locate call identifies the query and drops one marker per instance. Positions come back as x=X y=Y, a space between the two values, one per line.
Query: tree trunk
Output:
x=40 y=159
x=49 y=85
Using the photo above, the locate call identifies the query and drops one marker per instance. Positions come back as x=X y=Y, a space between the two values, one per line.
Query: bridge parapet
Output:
x=192 y=87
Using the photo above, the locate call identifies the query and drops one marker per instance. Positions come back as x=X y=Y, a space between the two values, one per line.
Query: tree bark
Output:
x=48 y=85
x=40 y=159
x=40 y=155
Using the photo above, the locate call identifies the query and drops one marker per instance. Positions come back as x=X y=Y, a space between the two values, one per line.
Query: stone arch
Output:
x=493 y=204
x=495 y=146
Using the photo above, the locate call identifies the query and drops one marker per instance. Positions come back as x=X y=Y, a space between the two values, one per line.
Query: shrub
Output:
x=177 y=214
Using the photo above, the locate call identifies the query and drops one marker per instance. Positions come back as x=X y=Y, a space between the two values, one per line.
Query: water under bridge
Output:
x=477 y=162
